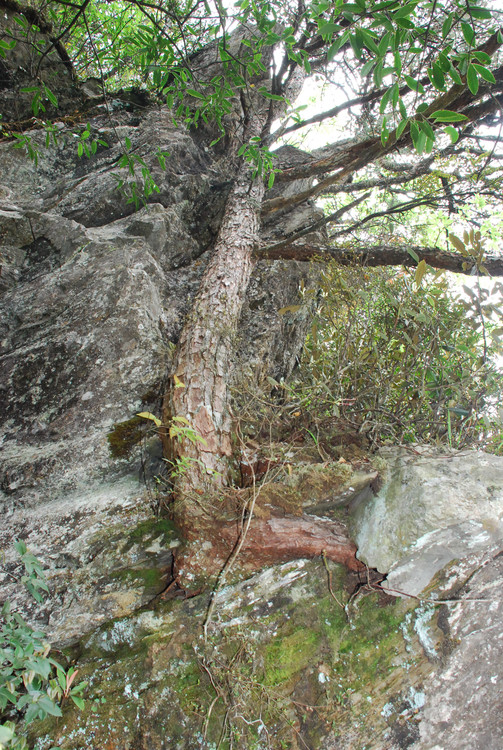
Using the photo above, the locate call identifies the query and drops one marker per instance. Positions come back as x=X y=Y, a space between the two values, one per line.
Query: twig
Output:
x=329 y=578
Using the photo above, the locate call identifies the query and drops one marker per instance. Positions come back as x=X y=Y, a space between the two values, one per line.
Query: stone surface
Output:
x=464 y=700
x=425 y=490
x=93 y=297
x=291 y=661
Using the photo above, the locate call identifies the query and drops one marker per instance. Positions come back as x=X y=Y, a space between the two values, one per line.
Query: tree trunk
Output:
x=199 y=392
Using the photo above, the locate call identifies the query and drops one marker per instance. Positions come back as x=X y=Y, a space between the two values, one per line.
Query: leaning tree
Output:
x=418 y=87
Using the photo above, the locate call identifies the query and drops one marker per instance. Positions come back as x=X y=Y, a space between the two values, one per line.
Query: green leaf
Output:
x=328 y=29
x=20 y=547
x=367 y=68
x=356 y=44
x=61 y=676
x=413 y=84
x=378 y=74
x=384 y=44
x=401 y=127
x=406 y=10
x=484 y=73
x=404 y=23
x=468 y=33
x=369 y=42
x=79 y=702
x=49 y=706
x=452 y=133
x=195 y=94
x=427 y=129
x=479 y=13
x=482 y=57
x=444 y=62
x=472 y=79
x=413 y=254
x=454 y=74
x=52 y=98
x=447 y=25
x=446 y=115
x=385 y=100
x=436 y=76
x=384 y=132
x=420 y=142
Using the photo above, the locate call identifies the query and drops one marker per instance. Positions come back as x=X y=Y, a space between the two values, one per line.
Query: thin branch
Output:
x=382 y=255
x=320 y=223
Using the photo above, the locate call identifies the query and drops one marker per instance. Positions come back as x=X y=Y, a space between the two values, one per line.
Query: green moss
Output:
x=148 y=530
x=287 y=655
x=124 y=436
x=368 y=647
x=150 y=579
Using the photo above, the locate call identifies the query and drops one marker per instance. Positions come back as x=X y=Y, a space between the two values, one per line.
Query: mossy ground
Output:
x=284 y=666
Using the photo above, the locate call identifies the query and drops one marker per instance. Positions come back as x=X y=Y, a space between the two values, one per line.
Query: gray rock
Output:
x=93 y=298
x=463 y=705
x=426 y=491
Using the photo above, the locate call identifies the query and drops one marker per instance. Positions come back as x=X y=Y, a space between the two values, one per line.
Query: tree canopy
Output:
x=418 y=90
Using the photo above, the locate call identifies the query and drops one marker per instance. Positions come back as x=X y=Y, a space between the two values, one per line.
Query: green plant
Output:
x=33 y=684
x=402 y=359
x=87 y=146
x=179 y=429
x=137 y=190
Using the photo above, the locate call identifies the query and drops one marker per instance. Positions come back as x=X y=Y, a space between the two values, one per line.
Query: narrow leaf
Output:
x=472 y=79
x=484 y=73
x=420 y=272
x=446 y=115
x=149 y=415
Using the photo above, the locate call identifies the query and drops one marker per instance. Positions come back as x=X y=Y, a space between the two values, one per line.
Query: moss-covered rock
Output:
x=288 y=662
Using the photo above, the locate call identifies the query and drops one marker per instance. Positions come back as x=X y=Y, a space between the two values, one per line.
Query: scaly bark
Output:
x=206 y=345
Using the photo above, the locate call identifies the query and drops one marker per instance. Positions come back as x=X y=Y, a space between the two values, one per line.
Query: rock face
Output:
x=300 y=655
x=293 y=662
x=306 y=655
x=434 y=507
x=93 y=297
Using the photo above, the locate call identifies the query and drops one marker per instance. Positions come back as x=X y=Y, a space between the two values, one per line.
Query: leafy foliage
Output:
x=411 y=53
x=32 y=683
x=404 y=361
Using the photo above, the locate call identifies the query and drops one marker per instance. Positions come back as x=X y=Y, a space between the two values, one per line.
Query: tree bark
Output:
x=199 y=392
x=382 y=255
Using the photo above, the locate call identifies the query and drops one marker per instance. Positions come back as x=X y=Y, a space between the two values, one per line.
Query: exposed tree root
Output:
x=268 y=541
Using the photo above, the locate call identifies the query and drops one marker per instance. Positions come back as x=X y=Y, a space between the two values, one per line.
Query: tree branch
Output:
x=381 y=255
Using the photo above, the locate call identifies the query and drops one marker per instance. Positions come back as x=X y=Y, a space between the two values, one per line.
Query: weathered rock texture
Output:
x=94 y=295
x=289 y=665
x=434 y=507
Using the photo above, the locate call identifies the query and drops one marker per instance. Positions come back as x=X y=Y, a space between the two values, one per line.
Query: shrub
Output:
x=404 y=362
x=32 y=683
